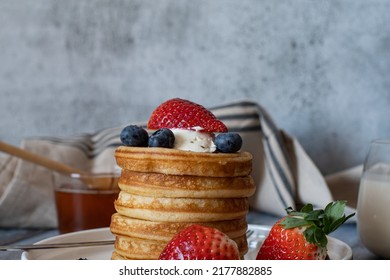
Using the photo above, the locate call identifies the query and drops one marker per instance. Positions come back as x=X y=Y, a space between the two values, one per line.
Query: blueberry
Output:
x=134 y=136
x=163 y=137
x=228 y=142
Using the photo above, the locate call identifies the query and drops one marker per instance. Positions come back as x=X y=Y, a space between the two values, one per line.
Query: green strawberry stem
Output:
x=317 y=224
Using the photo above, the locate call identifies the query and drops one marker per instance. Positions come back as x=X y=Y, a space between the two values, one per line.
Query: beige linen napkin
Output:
x=283 y=172
x=27 y=190
x=344 y=184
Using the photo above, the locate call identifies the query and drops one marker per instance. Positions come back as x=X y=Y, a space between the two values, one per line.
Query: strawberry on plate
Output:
x=301 y=235
x=198 y=242
x=181 y=113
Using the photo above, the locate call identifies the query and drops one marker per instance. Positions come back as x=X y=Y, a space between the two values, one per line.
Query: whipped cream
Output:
x=194 y=140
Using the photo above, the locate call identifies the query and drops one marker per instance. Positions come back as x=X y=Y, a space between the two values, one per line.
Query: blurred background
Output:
x=320 y=68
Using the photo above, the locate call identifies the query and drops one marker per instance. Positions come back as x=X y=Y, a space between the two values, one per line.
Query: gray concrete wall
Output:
x=321 y=68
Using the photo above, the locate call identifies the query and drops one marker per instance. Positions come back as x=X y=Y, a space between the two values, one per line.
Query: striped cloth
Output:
x=283 y=173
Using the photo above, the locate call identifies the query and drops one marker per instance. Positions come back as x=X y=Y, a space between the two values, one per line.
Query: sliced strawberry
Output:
x=181 y=113
x=301 y=235
x=198 y=242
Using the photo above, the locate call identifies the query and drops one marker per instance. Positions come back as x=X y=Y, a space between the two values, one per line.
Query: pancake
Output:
x=139 y=248
x=163 y=185
x=164 y=231
x=177 y=162
x=165 y=190
x=116 y=256
x=180 y=209
x=148 y=249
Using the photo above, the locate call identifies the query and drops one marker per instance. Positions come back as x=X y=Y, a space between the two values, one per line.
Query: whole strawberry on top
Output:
x=181 y=113
x=302 y=235
x=198 y=242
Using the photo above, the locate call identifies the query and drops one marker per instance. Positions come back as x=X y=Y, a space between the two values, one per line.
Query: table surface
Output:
x=346 y=233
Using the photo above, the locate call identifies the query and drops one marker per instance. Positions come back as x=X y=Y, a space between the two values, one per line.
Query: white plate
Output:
x=91 y=253
x=337 y=249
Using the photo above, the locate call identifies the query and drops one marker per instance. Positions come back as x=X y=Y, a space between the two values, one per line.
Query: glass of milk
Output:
x=373 y=208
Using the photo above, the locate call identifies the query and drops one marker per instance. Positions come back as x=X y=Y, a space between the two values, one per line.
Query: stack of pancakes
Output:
x=165 y=190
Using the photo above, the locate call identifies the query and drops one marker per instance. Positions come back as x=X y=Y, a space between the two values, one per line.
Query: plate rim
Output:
x=266 y=228
x=58 y=237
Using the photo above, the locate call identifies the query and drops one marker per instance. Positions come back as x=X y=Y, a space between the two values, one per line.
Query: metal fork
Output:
x=56 y=245
x=249 y=233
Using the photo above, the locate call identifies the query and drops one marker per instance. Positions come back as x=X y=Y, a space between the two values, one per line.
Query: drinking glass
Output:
x=373 y=208
x=85 y=201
